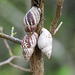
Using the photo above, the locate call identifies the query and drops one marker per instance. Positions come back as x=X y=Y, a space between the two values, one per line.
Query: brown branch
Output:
x=57 y=16
x=37 y=59
x=13 y=39
x=19 y=67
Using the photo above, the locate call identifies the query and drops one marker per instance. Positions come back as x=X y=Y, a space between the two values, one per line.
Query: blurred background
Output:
x=62 y=61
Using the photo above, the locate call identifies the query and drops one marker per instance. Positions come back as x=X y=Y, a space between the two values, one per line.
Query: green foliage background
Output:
x=62 y=61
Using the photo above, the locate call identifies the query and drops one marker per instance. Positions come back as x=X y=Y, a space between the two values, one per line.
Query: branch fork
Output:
x=37 y=57
x=12 y=56
x=57 y=16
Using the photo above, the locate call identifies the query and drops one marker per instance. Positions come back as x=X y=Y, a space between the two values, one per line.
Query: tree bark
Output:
x=37 y=59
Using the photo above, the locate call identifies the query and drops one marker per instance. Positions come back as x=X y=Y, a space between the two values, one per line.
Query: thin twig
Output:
x=19 y=67
x=12 y=31
x=8 y=60
x=8 y=47
x=57 y=16
x=58 y=27
x=13 y=39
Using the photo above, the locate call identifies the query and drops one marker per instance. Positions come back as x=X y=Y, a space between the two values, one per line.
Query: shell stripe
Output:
x=32 y=18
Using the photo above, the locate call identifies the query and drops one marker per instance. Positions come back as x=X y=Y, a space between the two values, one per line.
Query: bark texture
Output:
x=37 y=59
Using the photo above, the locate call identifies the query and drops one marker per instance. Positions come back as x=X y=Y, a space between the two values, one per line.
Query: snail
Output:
x=31 y=19
x=45 y=42
x=28 y=45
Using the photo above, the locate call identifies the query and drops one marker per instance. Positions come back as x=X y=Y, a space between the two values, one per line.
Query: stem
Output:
x=19 y=67
x=37 y=59
x=15 y=40
x=57 y=16
x=37 y=63
x=8 y=60
x=8 y=47
x=58 y=28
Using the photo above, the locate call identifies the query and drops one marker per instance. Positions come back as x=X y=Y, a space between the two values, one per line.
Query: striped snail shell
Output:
x=32 y=19
x=27 y=52
x=45 y=42
x=28 y=44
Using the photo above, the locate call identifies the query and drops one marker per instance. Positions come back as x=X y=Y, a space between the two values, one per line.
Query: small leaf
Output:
x=0 y=33
x=11 y=35
x=13 y=28
x=15 y=33
x=11 y=54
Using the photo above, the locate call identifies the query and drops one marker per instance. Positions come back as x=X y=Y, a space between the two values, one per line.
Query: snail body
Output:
x=45 y=42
